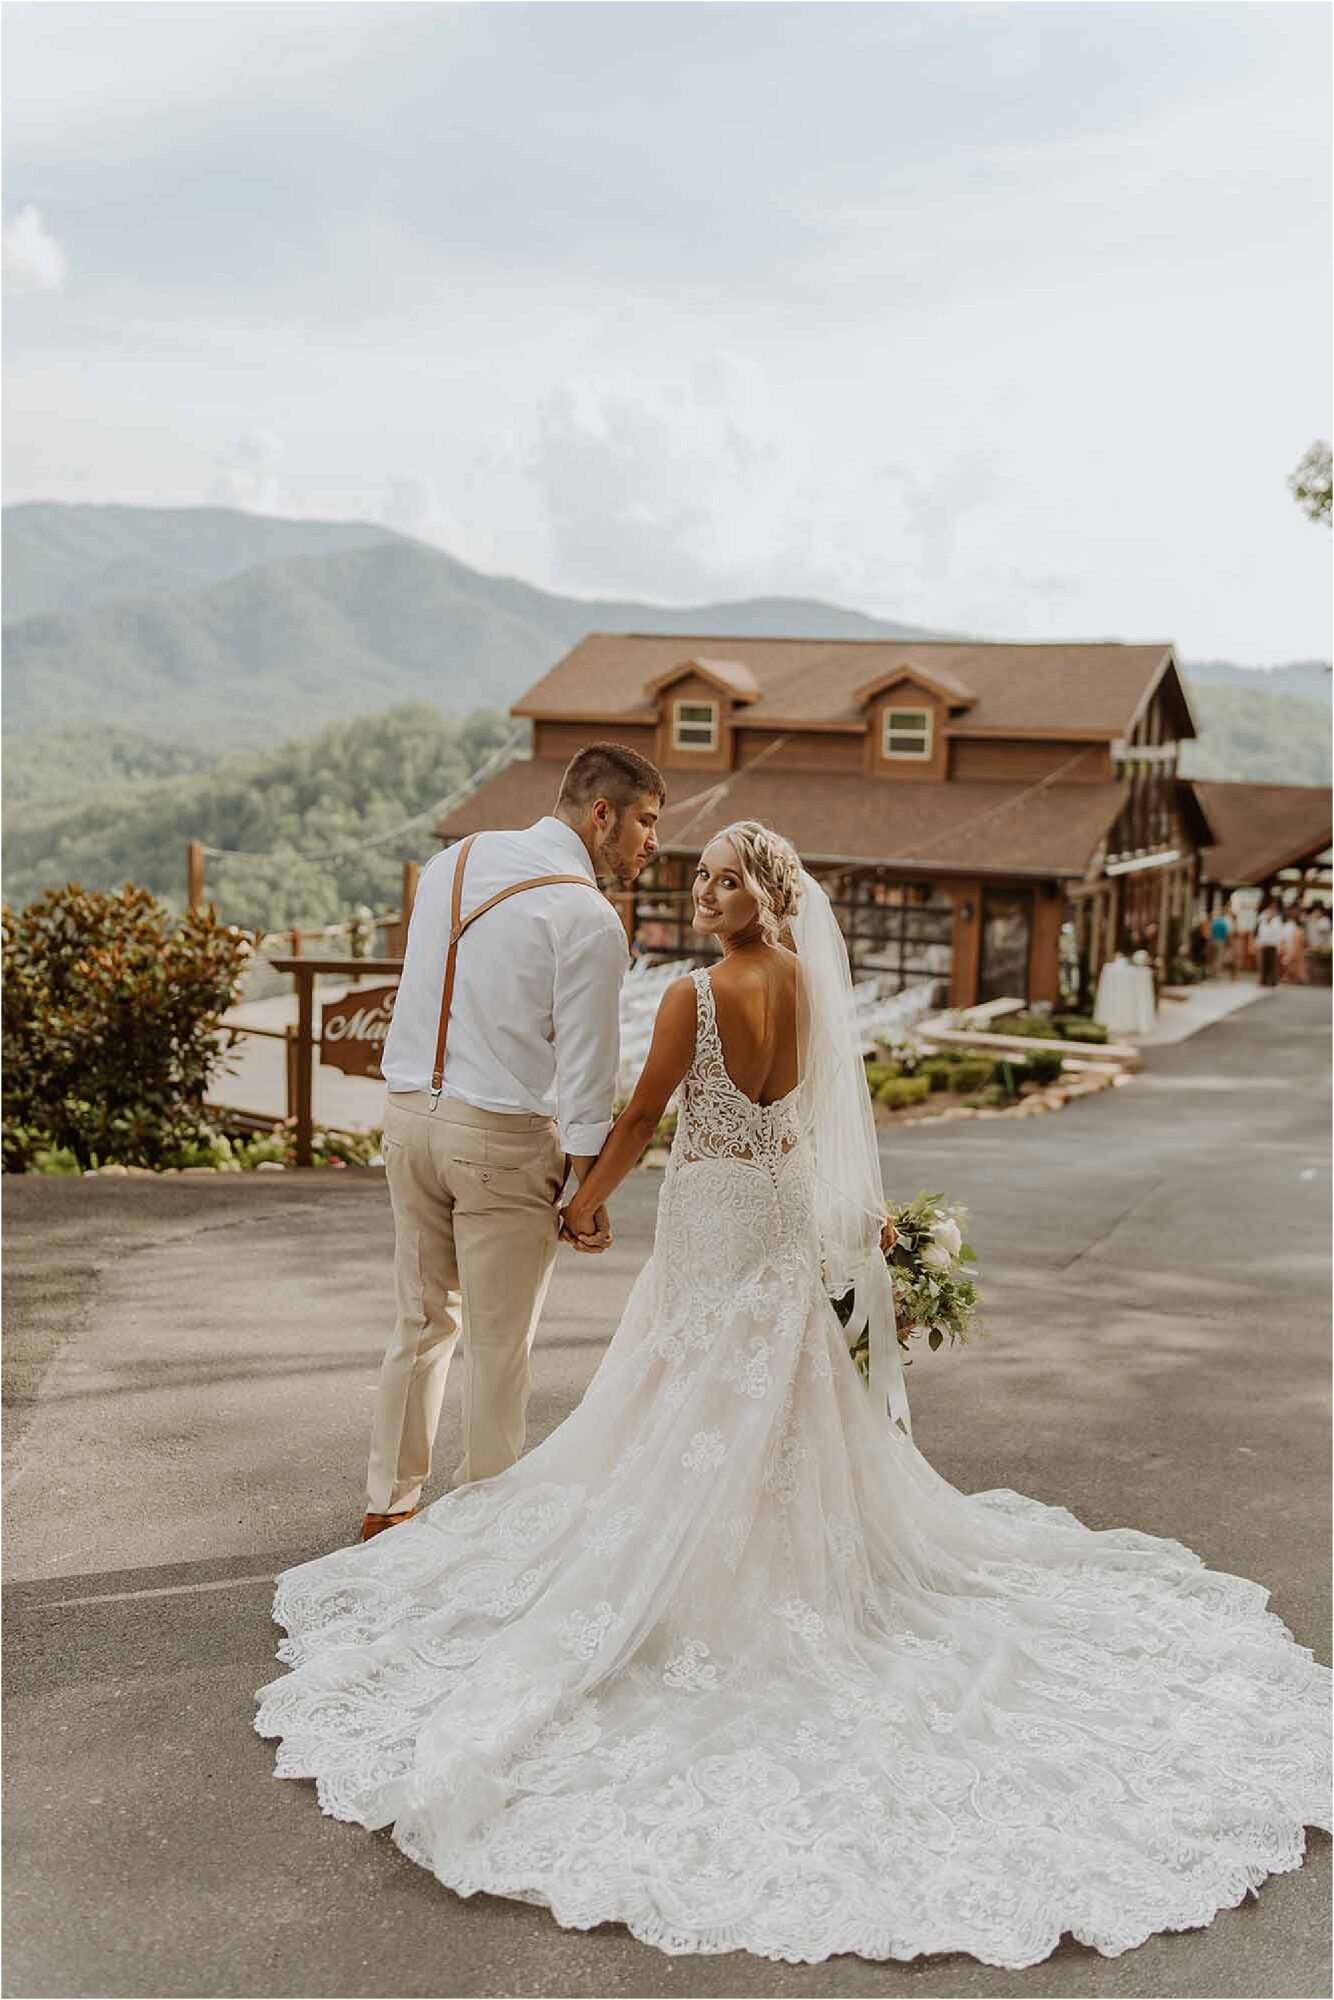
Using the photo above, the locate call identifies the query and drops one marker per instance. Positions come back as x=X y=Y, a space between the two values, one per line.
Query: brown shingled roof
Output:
x=1093 y=690
x=733 y=676
x=1262 y=828
x=987 y=829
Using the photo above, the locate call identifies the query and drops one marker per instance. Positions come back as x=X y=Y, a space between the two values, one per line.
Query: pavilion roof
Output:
x=1262 y=828
x=982 y=828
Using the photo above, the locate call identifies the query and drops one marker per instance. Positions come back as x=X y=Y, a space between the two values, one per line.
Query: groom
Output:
x=501 y=1063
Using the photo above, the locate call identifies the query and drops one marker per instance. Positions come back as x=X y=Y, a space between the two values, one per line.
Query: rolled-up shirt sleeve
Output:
x=586 y=1025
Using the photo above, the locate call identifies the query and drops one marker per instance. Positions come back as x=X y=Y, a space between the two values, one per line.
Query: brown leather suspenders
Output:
x=457 y=926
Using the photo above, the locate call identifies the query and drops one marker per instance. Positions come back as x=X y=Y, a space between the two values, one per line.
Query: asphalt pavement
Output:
x=189 y=1372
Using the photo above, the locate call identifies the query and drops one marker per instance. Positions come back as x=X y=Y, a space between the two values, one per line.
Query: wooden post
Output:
x=289 y=1051
x=194 y=874
x=296 y=944
x=305 y=1053
x=966 y=941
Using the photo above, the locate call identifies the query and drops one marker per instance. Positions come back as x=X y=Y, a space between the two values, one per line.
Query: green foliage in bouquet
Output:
x=110 y=1011
x=931 y=1269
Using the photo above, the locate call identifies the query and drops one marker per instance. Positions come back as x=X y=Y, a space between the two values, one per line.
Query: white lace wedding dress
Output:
x=725 y=1661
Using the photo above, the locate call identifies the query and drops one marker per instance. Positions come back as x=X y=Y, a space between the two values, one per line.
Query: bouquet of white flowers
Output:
x=930 y=1268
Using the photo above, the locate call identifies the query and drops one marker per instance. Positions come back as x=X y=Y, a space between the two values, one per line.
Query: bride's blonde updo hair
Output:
x=770 y=869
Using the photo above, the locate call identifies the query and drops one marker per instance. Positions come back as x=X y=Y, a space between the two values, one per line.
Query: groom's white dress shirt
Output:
x=535 y=1021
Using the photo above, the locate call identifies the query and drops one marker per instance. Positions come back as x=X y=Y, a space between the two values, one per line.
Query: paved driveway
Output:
x=189 y=1374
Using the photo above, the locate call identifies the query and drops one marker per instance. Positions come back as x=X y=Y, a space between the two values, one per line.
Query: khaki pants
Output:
x=475 y=1198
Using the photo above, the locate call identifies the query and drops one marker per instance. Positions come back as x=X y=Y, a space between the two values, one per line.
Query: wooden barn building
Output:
x=995 y=818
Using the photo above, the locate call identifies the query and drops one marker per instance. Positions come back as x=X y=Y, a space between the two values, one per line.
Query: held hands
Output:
x=889 y=1236
x=584 y=1229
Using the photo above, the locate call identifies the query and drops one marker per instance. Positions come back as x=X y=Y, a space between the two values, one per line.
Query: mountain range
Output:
x=304 y=634
x=143 y=642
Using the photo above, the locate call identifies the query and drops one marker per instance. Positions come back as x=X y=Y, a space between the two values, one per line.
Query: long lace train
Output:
x=726 y=1661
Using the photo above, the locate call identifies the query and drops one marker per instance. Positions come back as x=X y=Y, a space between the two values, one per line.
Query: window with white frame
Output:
x=907 y=732
x=695 y=725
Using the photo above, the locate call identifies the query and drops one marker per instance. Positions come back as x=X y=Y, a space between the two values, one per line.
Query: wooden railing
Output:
x=303 y=1043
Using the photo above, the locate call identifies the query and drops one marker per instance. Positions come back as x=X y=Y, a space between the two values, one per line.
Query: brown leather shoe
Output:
x=375 y=1523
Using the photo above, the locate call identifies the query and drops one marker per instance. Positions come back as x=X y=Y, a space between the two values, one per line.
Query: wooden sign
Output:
x=352 y=1030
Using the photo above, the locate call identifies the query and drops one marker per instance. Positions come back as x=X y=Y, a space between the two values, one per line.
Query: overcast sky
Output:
x=1009 y=319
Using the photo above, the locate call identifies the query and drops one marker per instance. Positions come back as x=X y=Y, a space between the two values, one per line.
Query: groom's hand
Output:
x=590 y=1234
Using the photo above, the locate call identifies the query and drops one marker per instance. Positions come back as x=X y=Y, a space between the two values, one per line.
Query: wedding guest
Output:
x=1244 y=919
x=1268 y=942
x=1319 y=928
x=1199 y=943
x=1220 y=932
x=1292 y=950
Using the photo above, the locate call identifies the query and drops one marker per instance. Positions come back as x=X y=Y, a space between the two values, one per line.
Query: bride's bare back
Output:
x=755 y=999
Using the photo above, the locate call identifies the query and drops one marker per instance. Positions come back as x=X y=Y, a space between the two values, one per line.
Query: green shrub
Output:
x=328 y=1148
x=1052 y=1028
x=109 y=1018
x=1078 y=1028
x=44 y=1158
x=880 y=1072
x=960 y=1069
x=972 y=1072
x=897 y=1092
x=1042 y=1066
x=1038 y=1026
x=1007 y=1073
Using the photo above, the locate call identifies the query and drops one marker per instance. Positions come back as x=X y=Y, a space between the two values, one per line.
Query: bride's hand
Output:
x=584 y=1229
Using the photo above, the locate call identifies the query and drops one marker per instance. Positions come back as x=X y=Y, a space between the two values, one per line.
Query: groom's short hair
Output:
x=608 y=771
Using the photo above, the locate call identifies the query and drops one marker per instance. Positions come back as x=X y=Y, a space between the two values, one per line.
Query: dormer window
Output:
x=695 y=725
x=907 y=732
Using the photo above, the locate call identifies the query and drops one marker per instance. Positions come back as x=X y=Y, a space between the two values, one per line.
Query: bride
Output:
x=723 y=1659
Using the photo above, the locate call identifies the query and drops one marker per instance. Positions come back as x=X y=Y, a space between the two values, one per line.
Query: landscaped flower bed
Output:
x=914 y=1082
x=220 y=1153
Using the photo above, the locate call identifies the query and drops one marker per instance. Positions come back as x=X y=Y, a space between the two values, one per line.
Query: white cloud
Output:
x=412 y=506
x=247 y=475
x=711 y=484
x=682 y=486
x=33 y=260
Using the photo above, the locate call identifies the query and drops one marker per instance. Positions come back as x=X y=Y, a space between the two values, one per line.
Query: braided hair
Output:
x=770 y=868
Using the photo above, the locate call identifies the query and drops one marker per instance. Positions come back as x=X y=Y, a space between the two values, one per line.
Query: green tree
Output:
x=109 y=1026
x=1310 y=483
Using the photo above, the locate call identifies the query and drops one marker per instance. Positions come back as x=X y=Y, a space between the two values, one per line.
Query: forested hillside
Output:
x=1308 y=678
x=1249 y=734
x=309 y=808
x=48 y=765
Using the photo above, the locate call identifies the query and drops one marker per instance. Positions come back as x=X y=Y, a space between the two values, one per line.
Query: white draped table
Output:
x=1124 y=1003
